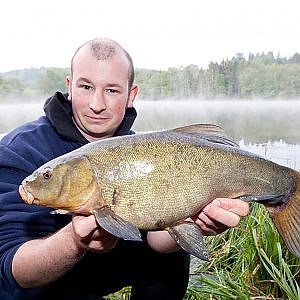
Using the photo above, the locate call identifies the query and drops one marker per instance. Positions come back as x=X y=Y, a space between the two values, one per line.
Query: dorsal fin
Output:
x=200 y=129
x=210 y=132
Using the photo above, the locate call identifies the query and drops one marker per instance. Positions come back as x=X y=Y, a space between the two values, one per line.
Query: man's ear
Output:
x=69 y=87
x=132 y=94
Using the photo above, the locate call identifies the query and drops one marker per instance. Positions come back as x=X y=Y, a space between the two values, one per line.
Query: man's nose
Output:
x=97 y=102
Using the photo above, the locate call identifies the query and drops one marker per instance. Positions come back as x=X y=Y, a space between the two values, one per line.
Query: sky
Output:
x=157 y=33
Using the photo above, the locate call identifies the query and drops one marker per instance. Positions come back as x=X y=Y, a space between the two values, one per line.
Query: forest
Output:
x=257 y=76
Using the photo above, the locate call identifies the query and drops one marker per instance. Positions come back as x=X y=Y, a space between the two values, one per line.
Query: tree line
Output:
x=258 y=76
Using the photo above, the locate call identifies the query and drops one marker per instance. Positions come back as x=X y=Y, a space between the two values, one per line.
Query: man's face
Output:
x=99 y=93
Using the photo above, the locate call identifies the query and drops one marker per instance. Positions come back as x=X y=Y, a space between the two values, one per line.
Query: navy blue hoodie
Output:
x=21 y=152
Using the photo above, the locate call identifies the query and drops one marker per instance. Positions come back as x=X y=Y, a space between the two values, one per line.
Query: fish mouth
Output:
x=25 y=195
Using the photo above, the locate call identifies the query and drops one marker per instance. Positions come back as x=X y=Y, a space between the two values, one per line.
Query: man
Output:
x=48 y=256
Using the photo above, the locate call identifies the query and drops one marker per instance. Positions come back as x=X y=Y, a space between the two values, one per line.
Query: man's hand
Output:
x=221 y=214
x=89 y=235
x=59 y=252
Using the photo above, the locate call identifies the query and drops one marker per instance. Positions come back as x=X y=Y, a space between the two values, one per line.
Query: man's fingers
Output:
x=236 y=206
x=91 y=236
x=222 y=212
x=203 y=222
x=83 y=226
x=87 y=227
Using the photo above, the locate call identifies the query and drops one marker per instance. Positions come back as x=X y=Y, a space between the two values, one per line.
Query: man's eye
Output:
x=112 y=91
x=85 y=87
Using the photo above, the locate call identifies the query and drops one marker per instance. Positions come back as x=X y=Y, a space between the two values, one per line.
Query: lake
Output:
x=253 y=121
x=269 y=128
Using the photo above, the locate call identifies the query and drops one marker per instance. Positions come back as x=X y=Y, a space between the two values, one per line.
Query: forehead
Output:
x=85 y=64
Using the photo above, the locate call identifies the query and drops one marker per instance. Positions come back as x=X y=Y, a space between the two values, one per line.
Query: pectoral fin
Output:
x=115 y=225
x=189 y=236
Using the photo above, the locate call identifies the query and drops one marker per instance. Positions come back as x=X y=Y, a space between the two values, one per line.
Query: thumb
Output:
x=83 y=226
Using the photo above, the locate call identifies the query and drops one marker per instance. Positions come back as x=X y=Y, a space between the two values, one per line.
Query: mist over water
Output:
x=253 y=121
x=16 y=114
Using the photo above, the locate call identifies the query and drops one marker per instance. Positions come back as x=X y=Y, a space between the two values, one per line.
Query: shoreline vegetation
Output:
x=247 y=262
x=263 y=76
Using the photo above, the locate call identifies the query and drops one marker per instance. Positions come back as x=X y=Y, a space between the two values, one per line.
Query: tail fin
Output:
x=287 y=219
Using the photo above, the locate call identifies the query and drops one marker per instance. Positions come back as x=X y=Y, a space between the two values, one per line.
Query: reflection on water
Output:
x=280 y=152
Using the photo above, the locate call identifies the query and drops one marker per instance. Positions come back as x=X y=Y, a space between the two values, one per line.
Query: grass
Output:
x=124 y=294
x=247 y=262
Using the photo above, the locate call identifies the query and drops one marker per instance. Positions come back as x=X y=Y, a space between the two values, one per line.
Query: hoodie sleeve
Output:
x=16 y=226
x=20 y=222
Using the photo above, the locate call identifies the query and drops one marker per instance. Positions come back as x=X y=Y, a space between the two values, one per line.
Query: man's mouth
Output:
x=98 y=119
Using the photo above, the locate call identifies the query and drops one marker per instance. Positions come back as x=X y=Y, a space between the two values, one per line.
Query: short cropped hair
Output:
x=104 y=48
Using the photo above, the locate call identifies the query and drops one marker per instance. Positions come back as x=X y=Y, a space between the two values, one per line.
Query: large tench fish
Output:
x=154 y=181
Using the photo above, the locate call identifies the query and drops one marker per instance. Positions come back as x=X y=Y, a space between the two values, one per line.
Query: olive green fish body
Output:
x=156 y=180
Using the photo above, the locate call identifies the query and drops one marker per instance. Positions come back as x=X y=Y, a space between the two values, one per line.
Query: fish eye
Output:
x=47 y=174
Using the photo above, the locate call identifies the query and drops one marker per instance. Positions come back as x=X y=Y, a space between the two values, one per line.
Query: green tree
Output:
x=191 y=81
x=10 y=86
x=53 y=80
x=153 y=84
x=295 y=59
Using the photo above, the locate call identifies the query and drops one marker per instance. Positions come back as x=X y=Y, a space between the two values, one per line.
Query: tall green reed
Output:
x=247 y=262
